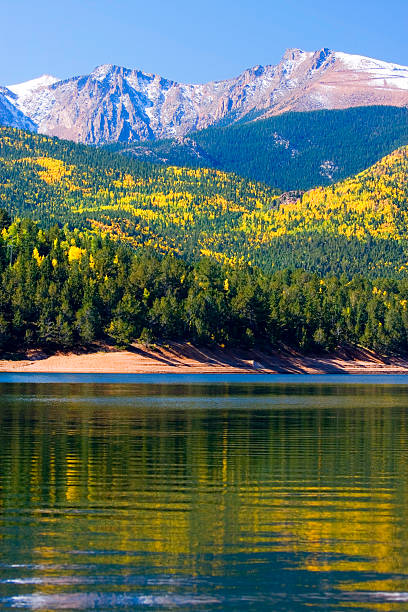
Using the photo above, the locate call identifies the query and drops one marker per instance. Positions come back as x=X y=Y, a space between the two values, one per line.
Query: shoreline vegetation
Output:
x=73 y=301
x=185 y=358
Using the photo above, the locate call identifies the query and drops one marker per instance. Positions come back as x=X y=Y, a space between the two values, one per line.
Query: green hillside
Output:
x=179 y=210
x=291 y=151
x=358 y=226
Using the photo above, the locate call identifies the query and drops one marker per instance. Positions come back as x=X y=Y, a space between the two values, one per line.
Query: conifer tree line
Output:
x=289 y=151
x=64 y=289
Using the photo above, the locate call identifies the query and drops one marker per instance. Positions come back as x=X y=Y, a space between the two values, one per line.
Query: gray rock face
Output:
x=9 y=113
x=115 y=104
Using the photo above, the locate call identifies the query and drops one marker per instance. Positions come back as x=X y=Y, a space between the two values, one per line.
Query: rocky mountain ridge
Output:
x=116 y=104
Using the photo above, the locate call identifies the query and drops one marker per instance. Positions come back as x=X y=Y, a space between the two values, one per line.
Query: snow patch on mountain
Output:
x=33 y=98
x=10 y=115
x=22 y=90
x=392 y=75
x=101 y=72
x=37 y=107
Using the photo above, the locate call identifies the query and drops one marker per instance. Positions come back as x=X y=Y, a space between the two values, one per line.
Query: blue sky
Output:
x=191 y=41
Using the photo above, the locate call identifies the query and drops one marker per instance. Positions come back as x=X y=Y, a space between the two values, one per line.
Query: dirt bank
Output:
x=188 y=359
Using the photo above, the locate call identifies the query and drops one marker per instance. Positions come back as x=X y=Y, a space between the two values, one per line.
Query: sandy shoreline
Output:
x=188 y=359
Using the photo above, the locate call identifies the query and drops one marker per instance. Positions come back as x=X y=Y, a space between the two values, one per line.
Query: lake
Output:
x=203 y=493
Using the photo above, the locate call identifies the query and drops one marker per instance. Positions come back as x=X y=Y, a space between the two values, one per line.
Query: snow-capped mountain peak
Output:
x=114 y=103
x=101 y=72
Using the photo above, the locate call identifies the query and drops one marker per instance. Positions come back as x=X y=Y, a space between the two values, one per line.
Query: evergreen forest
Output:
x=356 y=226
x=288 y=151
x=62 y=289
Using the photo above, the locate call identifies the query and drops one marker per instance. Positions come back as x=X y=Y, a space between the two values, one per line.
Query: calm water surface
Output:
x=218 y=494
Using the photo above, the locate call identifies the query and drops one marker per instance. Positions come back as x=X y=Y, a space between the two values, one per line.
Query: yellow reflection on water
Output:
x=189 y=488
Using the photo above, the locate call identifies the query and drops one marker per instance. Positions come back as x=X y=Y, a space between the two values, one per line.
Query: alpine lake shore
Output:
x=186 y=358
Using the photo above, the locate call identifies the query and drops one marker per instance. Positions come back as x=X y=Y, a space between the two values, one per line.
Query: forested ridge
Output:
x=289 y=151
x=174 y=210
x=62 y=289
x=357 y=226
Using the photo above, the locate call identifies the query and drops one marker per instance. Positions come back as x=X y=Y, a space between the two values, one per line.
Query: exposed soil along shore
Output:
x=188 y=359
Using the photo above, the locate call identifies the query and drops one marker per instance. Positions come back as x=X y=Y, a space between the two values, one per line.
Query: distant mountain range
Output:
x=116 y=104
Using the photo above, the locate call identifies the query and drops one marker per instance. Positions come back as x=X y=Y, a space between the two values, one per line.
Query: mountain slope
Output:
x=372 y=204
x=290 y=151
x=172 y=209
x=116 y=104
x=9 y=113
x=359 y=225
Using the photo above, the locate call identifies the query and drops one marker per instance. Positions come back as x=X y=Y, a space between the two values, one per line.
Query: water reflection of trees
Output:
x=199 y=479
